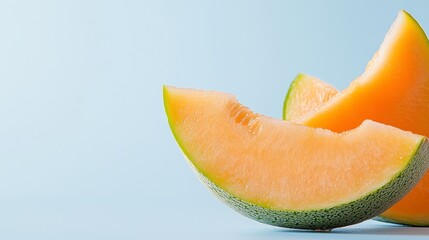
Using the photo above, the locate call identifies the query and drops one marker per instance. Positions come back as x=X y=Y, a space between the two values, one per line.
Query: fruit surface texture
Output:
x=394 y=90
x=306 y=93
x=290 y=175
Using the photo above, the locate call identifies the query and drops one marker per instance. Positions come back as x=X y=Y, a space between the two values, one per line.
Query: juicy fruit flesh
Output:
x=281 y=165
x=393 y=90
x=298 y=103
x=413 y=208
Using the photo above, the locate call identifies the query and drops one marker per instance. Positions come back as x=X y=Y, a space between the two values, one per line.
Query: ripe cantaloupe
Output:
x=306 y=93
x=393 y=90
x=290 y=175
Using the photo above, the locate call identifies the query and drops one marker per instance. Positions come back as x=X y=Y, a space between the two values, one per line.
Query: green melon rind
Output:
x=345 y=214
x=289 y=93
x=286 y=103
x=284 y=115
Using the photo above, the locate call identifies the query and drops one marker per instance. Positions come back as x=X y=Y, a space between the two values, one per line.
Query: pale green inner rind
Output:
x=353 y=212
x=174 y=132
x=417 y=23
x=350 y=213
x=286 y=101
x=378 y=218
x=173 y=129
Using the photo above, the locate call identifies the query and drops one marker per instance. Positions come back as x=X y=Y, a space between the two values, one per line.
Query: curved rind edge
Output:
x=321 y=219
x=289 y=91
x=354 y=212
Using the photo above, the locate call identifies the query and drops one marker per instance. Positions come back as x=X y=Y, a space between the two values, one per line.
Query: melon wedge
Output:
x=306 y=93
x=393 y=90
x=290 y=175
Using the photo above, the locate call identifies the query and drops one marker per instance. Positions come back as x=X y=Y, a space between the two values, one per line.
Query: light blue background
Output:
x=85 y=149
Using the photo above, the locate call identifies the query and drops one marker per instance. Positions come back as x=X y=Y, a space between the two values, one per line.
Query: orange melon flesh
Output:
x=281 y=165
x=413 y=208
x=306 y=93
x=393 y=90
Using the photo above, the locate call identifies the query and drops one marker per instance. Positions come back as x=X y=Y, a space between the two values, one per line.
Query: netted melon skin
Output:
x=346 y=214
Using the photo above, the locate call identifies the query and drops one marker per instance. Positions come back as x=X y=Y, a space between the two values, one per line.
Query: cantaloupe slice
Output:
x=306 y=93
x=393 y=90
x=289 y=175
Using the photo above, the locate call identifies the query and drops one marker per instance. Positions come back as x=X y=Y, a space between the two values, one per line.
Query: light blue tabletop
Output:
x=85 y=149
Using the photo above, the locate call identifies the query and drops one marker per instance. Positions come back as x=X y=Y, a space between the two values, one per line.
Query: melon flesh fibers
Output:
x=291 y=175
x=306 y=93
x=393 y=90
